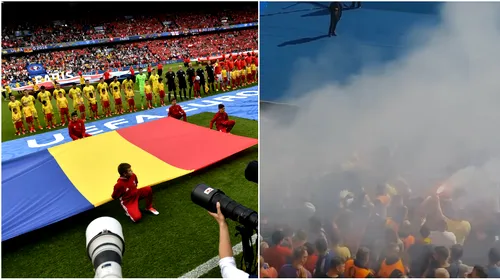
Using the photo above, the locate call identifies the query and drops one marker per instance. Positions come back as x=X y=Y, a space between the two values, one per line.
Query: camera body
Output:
x=105 y=247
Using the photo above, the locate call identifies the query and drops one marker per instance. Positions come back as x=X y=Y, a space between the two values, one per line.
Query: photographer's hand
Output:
x=225 y=248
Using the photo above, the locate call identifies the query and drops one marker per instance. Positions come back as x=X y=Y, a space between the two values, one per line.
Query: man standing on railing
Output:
x=335 y=15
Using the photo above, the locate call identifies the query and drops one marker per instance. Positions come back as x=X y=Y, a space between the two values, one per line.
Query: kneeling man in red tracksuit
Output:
x=221 y=120
x=126 y=191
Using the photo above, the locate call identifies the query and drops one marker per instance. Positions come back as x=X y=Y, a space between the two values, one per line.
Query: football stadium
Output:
x=168 y=88
x=391 y=160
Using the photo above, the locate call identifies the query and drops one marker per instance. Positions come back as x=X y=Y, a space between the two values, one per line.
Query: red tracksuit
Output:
x=222 y=122
x=176 y=112
x=126 y=190
x=77 y=129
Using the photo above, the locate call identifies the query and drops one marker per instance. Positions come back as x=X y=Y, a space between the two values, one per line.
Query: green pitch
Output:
x=8 y=132
x=181 y=238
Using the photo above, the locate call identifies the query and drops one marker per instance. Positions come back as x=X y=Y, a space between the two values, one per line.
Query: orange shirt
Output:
x=311 y=262
x=386 y=270
x=276 y=256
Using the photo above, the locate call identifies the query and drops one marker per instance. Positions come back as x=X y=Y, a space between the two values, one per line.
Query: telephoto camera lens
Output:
x=208 y=197
x=105 y=247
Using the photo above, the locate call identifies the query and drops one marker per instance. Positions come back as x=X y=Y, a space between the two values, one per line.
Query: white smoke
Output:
x=436 y=110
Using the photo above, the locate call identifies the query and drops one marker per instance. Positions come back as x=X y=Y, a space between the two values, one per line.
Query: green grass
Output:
x=8 y=132
x=181 y=238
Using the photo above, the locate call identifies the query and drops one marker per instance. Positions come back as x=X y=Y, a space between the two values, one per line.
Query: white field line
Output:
x=214 y=262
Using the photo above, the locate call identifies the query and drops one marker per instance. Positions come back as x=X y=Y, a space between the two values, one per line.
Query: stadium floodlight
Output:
x=105 y=247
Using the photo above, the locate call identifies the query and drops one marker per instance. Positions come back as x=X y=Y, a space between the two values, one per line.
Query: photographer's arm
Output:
x=227 y=263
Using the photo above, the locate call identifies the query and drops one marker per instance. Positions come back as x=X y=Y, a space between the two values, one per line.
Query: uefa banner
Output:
x=35 y=69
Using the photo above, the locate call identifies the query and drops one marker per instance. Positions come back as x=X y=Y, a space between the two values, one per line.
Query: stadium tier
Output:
x=90 y=60
x=66 y=189
x=56 y=32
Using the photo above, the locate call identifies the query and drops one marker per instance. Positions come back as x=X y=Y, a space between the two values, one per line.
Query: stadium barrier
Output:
x=45 y=187
x=65 y=79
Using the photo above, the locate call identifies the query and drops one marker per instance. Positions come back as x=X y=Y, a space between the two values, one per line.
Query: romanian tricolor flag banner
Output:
x=48 y=186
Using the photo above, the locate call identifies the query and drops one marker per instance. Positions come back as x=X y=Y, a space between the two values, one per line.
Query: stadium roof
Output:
x=72 y=10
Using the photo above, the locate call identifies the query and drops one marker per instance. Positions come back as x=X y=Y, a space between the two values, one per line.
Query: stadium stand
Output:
x=80 y=30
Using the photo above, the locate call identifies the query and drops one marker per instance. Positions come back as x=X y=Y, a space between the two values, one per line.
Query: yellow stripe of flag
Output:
x=91 y=164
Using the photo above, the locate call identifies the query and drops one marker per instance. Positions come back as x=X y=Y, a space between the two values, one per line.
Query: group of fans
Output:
x=84 y=28
x=134 y=53
x=387 y=231
x=229 y=72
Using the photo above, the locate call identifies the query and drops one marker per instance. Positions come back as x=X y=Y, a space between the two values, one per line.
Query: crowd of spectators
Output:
x=129 y=54
x=383 y=232
x=82 y=29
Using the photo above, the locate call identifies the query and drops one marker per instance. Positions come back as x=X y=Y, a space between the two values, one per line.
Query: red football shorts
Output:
x=131 y=102
x=254 y=72
x=118 y=101
x=224 y=79
x=64 y=111
x=162 y=94
x=29 y=119
x=93 y=107
x=149 y=96
x=48 y=117
x=82 y=108
x=105 y=104
x=19 y=124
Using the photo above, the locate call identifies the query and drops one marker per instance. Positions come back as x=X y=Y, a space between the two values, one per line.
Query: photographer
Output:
x=227 y=262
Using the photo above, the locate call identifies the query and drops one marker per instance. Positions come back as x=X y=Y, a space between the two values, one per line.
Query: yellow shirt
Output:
x=130 y=94
x=461 y=229
x=116 y=93
x=237 y=72
x=27 y=111
x=154 y=81
x=224 y=73
x=112 y=85
x=82 y=80
x=92 y=100
x=147 y=89
x=62 y=102
x=18 y=85
x=17 y=116
x=73 y=93
x=88 y=89
x=36 y=88
x=57 y=91
x=45 y=96
x=254 y=67
x=249 y=70
x=101 y=86
x=233 y=75
x=161 y=86
x=30 y=83
x=80 y=101
x=30 y=99
x=7 y=89
x=47 y=109
x=126 y=83
x=15 y=104
x=104 y=96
